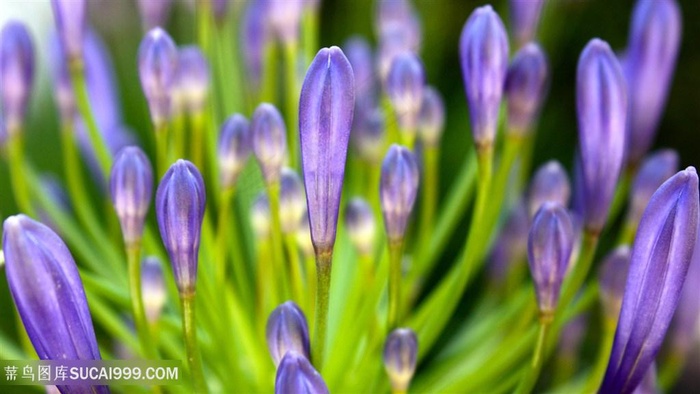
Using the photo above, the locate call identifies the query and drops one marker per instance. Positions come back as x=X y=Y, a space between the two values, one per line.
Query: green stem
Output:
x=395 y=254
x=148 y=348
x=193 y=357
x=17 y=170
x=429 y=186
x=324 y=261
x=162 y=160
x=277 y=243
x=295 y=274
x=608 y=337
x=269 y=73
x=197 y=142
x=531 y=375
x=577 y=277
x=292 y=101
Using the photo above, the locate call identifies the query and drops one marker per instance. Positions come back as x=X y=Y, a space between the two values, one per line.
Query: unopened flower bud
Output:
x=398 y=189
x=234 y=149
x=191 y=84
x=612 y=280
x=16 y=73
x=550 y=183
x=400 y=357
x=405 y=84
x=153 y=288
x=287 y=330
x=157 y=70
x=360 y=225
x=260 y=216
x=269 y=141
x=295 y=374
x=526 y=86
x=431 y=119
x=292 y=200
x=131 y=187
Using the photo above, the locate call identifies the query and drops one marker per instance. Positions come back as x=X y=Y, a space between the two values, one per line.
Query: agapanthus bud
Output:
x=654 y=171
x=260 y=216
x=431 y=118
x=404 y=86
x=659 y=262
x=483 y=49
x=292 y=200
x=154 y=13
x=325 y=118
x=71 y=24
x=612 y=279
x=359 y=54
x=655 y=36
x=510 y=247
x=191 y=84
x=398 y=189
x=649 y=384
x=47 y=290
x=131 y=187
x=233 y=149
x=158 y=58
x=525 y=16
x=550 y=183
x=284 y=18
x=287 y=330
x=398 y=18
x=255 y=36
x=153 y=288
x=601 y=102
x=360 y=225
x=369 y=133
x=686 y=321
x=549 y=247
x=16 y=73
x=180 y=203
x=400 y=357
x=295 y=374
x=269 y=141
x=526 y=86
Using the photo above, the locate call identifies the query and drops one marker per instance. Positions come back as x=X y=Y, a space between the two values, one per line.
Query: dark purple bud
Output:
x=369 y=133
x=483 y=49
x=612 y=279
x=255 y=36
x=191 y=84
x=525 y=16
x=153 y=288
x=650 y=60
x=260 y=216
x=526 y=87
x=550 y=183
x=659 y=262
x=400 y=357
x=16 y=73
x=431 y=118
x=71 y=24
x=404 y=86
x=287 y=330
x=234 y=149
x=549 y=247
x=154 y=13
x=180 y=203
x=510 y=247
x=359 y=54
x=360 y=225
x=601 y=102
x=284 y=17
x=398 y=189
x=325 y=118
x=131 y=187
x=158 y=58
x=295 y=374
x=269 y=141
x=654 y=171
x=685 y=326
x=292 y=200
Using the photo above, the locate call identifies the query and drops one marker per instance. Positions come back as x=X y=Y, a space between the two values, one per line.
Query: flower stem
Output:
x=608 y=336
x=292 y=101
x=295 y=274
x=161 y=133
x=277 y=244
x=193 y=357
x=324 y=261
x=16 y=163
x=395 y=251
x=531 y=375
x=133 y=253
x=197 y=141
x=428 y=196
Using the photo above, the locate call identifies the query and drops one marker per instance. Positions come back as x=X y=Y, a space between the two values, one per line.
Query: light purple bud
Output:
x=153 y=288
x=180 y=204
x=233 y=149
x=550 y=183
x=654 y=171
x=400 y=358
x=510 y=247
x=398 y=18
x=404 y=86
x=63 y=89
x=549 y=247
x=526 y=86
x=16 y=73
x=295 y=374
x=612 y=279
x=525 y=16
x=255 y=36
x=325 y=119
x=154 y=13
x=158 y=59
x=369 y=133
x=483 y=49
x=650 y=60
x=601 y=102
x=131 y=187
x=269 y=141
x=360 y=225
x=431 y=118
x=284 y=18
x=286 y=331
x=292 y=200
x=71 y=24
x=191 y=84
x=260 y=216
x=659 y=262
x=360 y=56
x=398 y=189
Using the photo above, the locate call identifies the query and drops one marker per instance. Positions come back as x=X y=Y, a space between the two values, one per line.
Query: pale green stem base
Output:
x=395 y=254
x=148 y=349
x=324 y=261
x=194 y=360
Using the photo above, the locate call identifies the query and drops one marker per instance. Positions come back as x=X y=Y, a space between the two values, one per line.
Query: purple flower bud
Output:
x=431 y=118
x=686 y=321
x=550 y=183
x=654 y=171
x=525 y=16
x=404 y=85
x=295 y=374
x=71 y=24
x=191 y=84
x=269 y=141
x=16 y=73
x=158 y=58
x=284 y=18
x=260 y=216
x=154 y=13
x=180 y=203
x=153 y=288
x=398 y=18
x=612 y=279
x=659 y=262
x=483 y=49
x=287 y=331
x=398 y=189
x=63 y=89
x=526 y=86
x=292 y=200
x=47 y=290
x=255 y=36
x=400 y=356
x=601 y=102
x=510 y=247
x=359 y=223
x=234 y=149
x=655 y=36
x=359 y=54
x=549 y=247
x=369 y=133
x=131 y=187
x=325 y=118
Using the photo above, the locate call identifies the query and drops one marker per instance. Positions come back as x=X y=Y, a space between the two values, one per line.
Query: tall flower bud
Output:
x=284 y=18
x=612 y=279
x=287 y=330
x=405 y=84
x=71 y=24
x=295 y=374
x=233 y=149
x=369 y=133
x=180 y=203
x=549 y=247
x=400 y=356
x=131 y=187
x=525 y=16
x=153 y=288
x=359 y=223
x=191 y=84
x=360 y=56
x=601 y=102
x=260 y=216
x=431 y=118
x=483 y=49
x=16 y=73
x=154 y=13
x=292 y=200
x=654 y=171
x=325 y=118
x=550 y=183
x=157 y=70
x=269 y=141
x=526 y=87
x=398 y=189
x=659 y=263
x=510 y=247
